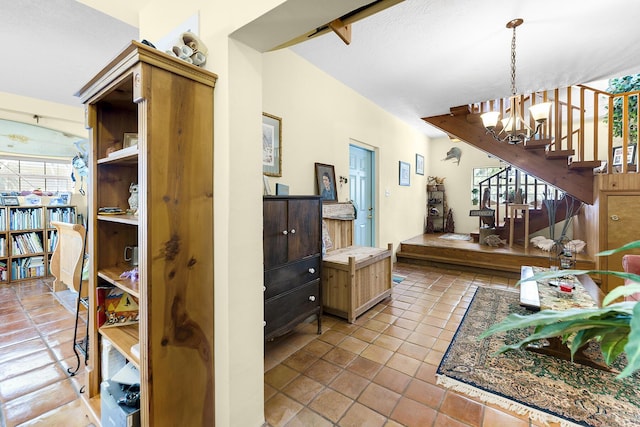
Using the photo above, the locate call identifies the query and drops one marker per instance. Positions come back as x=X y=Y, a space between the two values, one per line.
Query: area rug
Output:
x=455 y=236
x=541 y=387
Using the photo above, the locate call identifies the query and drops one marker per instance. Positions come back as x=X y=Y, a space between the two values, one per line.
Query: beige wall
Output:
x=321 y=117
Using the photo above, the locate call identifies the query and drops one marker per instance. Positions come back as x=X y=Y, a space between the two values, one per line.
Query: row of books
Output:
x=53 y=240
x=3 y=248
x=62 y=215
x=3 y=271
x=26 y=219
x=26 y=243
x=27 y=267
x=3 y=219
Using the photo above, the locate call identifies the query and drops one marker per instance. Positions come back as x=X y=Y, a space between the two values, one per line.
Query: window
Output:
x=480 y=175
x=49 y=175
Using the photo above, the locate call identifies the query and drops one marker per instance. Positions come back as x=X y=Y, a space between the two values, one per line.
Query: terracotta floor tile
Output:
x=434 y=357
x=20 y=385
x=406 y=324
x=376 y=325
x=388 y=342
x=18 y=335
x=24 y=364
x=317 y=347
x=392 y=379
x=413 y=350
x=300 y=360
x=364 y=367
x=462 y=409
x=366 y=335
x=425 y=393
x=39 y=402
x=361 y=416
x=21 y=349
x=70 y=415
x=280 y=409
x=340 y=357
x=427 y=372
x=377 y=354
x=349 y=384
x=379 y=398
x=331 y=404
x=443 y=420
x=496 y=418
x=354 y=345
x=323 y=371
x=397 y=332
x=308 y=418
x=303 y=389
x=403 y=363
x=412 y=414
x=280 y=376
x=332 y=337
x=56 y=326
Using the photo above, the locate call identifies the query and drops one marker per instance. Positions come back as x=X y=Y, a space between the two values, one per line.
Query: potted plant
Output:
x=615 y=325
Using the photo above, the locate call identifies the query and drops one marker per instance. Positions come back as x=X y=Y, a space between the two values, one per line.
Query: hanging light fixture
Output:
x=514 y=128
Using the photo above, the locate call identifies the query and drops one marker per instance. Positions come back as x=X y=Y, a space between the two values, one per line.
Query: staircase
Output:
x=500 y=189
x=577 y=138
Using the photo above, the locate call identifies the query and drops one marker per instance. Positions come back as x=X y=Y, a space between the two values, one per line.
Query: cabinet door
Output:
x=304 y=229
x=622 y=221
x=274 y=237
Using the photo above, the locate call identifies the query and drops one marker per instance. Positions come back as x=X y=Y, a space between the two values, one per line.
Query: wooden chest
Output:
x=354 y=279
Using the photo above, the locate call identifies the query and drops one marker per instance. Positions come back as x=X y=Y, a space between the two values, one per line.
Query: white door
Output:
x=361 y=173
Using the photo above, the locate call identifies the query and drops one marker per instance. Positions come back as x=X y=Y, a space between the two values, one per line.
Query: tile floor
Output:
x=36 y=336
x=380 y=371
x=376 y=372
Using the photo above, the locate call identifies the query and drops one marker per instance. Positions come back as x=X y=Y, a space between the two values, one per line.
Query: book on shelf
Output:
x=27 y=243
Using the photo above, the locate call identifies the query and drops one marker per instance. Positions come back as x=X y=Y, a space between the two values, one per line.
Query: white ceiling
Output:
x=415 y=59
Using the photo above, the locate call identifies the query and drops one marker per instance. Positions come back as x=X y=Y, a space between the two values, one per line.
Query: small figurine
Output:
x=133 y=199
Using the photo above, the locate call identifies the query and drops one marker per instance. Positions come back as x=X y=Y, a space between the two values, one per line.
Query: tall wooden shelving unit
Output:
x=169 y=104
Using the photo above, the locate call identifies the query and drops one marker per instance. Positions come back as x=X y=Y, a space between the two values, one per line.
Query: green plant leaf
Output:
x=621 y=291
x=628 y=246
x=632 y=349
x=613 y=343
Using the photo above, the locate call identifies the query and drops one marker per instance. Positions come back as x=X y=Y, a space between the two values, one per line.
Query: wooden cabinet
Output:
x=292 y=259
x=168 y=105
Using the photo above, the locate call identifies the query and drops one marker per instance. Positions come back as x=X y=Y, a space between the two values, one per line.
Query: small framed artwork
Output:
x=266 y=187
x=65 y=198
x=419 y=164
x=129 y=140
x=271 y=145
x=405 y=174
x=326 y=180
x=10 y=201
x=282 y=190
x=631 y=155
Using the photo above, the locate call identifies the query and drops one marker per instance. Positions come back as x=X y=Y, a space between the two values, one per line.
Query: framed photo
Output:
x=405 y=174
x=326 y=180
x=631 y=155
x=419 y=164
x=10 y=201
x=129 y=140
x=282 y=190
x=65 y=197
x=271 y=145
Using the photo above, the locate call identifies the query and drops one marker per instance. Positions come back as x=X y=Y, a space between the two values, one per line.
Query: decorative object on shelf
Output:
x=631 y=155
x=514 y=127
x=131 y=274
x=129 y=140
x=190 y=49
x=405 y=174
x=419 y=164
x=133 y=199
x=10 y=201
x=131 y=255
x=266 y=187
x=494 y=240
x=33 y=200
x=454 y=154
x=271 y=145
x=326 y=182
x=450 y=224
x=282 y=189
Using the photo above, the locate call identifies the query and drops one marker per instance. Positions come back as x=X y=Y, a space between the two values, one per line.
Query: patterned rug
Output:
x=455 y=236
x=542 y=387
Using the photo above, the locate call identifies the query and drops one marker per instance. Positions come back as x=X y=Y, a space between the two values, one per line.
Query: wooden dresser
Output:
x=292 y=261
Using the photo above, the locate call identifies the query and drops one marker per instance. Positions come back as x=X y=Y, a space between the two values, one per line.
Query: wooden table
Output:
x=513 y=212
x=537 y=296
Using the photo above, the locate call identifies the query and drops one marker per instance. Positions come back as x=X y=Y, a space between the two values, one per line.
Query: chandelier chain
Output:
x=513 y=63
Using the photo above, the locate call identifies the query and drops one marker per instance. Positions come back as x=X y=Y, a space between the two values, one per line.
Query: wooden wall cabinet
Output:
x=169 y=105
x=292 y=261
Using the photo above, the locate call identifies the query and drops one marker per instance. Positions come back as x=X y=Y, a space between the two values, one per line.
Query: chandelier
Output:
x=514 y=129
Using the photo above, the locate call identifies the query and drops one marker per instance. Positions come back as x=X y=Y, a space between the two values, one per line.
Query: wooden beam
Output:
x=343 y=31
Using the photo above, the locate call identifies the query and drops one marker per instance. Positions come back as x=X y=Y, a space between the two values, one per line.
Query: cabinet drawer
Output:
x=282 y=279
x=292 y=307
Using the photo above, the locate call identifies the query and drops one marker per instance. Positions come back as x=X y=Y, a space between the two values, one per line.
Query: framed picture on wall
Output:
x=271 y=145
x=326 y=181
x=419 y=164
x=405 y=174
x=631 y=155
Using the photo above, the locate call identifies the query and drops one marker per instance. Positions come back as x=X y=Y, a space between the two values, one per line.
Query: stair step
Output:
x=588 y=164
x=535 y=144
x=559 y=154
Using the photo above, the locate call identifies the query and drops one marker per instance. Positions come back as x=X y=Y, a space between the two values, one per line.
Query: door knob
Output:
x=285 y=232
x=312 y=270
x=615 y=218
x=312 y=298
x=293 y=231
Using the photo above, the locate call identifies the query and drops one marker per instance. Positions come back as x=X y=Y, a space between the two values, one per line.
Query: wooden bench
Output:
x=354 y=278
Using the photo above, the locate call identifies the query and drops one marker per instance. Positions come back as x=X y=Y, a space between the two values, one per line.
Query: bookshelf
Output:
x=27 y=240
x=169 y=105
